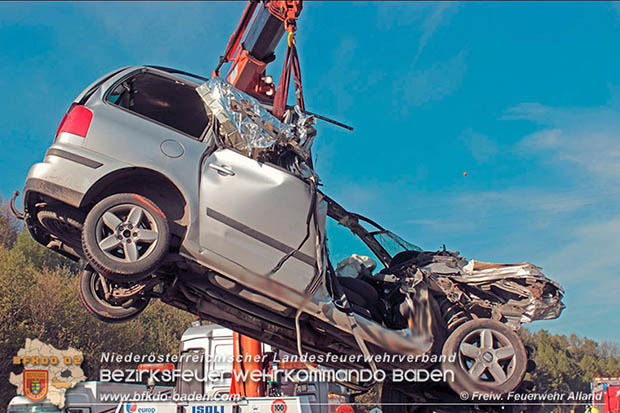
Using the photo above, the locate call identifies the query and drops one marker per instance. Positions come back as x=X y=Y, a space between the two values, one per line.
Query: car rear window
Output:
x=163 y=100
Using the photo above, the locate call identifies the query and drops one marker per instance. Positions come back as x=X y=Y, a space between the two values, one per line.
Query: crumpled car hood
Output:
x=518 y=293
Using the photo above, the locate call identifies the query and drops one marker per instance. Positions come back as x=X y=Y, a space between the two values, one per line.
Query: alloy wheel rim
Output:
x=127 y=233
x=487 y=356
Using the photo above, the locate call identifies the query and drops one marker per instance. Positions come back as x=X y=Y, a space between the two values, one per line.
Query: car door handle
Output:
x=222 y=169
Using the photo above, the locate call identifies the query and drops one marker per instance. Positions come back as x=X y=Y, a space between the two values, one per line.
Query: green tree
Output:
x=9 y=226
x=41 y=302
x=570 y=363
x=37 y=254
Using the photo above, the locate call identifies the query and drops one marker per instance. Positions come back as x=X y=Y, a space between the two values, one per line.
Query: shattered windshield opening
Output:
x=342 y=243
x=392 y=243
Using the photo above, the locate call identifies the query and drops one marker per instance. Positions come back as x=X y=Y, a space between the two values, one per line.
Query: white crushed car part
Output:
x=356 y=266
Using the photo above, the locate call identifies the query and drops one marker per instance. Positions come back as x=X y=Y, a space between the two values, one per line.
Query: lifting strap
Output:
x=291 y=64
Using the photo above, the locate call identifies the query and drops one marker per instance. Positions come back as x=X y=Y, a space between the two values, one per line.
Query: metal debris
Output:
x=517 y=293
x=248 y=126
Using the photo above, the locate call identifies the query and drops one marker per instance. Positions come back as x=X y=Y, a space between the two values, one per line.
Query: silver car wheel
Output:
x=127 y=233
x=487 y=356
x=96 y=296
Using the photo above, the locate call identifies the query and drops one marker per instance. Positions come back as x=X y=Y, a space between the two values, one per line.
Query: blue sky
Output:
x=524 y=97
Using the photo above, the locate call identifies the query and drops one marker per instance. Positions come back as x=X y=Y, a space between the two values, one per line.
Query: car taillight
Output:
x=76 y=121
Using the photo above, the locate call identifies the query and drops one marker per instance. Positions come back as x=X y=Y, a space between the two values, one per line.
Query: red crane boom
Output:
x=267 y=21
x=249 y=59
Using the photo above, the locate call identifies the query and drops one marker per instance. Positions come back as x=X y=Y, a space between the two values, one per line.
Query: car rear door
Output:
x=253 y=214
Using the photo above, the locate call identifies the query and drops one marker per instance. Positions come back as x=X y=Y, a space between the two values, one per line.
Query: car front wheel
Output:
x=125 y=237
x=488 y=358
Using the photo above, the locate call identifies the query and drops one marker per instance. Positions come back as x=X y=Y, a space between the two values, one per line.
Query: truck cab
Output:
x=214 y=345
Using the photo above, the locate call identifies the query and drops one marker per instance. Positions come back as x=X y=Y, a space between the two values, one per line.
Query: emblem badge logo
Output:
x=36 y=384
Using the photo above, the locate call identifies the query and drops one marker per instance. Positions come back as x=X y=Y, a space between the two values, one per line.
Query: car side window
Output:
x=163 y=100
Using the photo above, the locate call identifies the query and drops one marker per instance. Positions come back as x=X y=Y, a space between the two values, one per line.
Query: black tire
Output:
x=63 y=222
x=485 y=378
x=135 y=244
x=93 y=299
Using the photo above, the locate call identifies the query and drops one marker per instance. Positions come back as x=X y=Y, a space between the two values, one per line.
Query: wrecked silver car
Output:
x=171 y=186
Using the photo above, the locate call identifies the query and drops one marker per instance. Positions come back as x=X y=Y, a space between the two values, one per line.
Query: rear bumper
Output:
x=37 y=231
x=57 y=177
x=67 y=173
x=53 y=190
